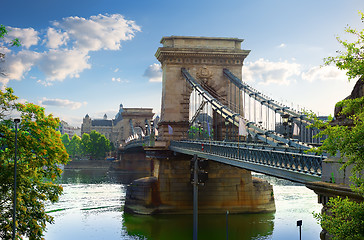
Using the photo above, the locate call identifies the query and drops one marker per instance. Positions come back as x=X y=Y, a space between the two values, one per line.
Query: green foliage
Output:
x=3 y=32
x=346 y=221
x=352 y=59
x=99 y=145
x=86 y=144
x=196 y=133
x=15 y=42
x=40 y=154
x=74 y=148
x=347 y=140
x=92 y=145
x=65 y=140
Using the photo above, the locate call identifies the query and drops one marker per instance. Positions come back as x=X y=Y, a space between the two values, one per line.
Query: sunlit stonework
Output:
x=204 y=74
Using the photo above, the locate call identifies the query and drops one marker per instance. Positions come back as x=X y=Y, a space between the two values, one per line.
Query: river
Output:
x=91 y=208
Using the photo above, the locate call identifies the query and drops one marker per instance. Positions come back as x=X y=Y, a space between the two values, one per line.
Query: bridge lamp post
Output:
x=146 y=129
x=151 y=138
x=226 y=130
x=152 y=127
x=199 y=130
x=290 y=128
x=285 y=119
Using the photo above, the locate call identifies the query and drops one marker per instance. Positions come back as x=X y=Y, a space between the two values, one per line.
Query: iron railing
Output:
x=289 y=163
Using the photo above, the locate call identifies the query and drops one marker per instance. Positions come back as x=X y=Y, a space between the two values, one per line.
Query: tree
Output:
x=351 y=60
x=93 y=145
x=346 y=221
x=40 y=154
x=65 y=140
x=99 y=145
x=348 y=141
x=75 y=146
x=15 y=42
x=104 y=146
x=85 y=144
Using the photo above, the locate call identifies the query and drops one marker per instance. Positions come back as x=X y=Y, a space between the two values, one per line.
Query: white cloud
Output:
x=266 y=72
x=282 y=45
x=116 y=70
x=56 y=102
x=77 y=36
x=326 y=73
x=56 y=38
x=119 y=80
x=45 y=83
x=17 y=65
x=154 y=73
x=59 y=64
x=99 y=32
x=27 y=36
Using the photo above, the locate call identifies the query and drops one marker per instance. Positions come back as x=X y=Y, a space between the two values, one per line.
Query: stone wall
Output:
x=170 y=191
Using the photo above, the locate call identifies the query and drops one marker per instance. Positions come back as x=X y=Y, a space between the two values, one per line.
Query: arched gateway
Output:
x=204 y=58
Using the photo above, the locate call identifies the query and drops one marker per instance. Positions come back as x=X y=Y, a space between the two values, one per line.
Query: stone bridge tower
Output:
x=204 y=58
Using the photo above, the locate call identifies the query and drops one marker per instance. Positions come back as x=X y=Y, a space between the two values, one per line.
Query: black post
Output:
x=227 y=225
x=299 y=224
x=195 y=197
x=16 y=121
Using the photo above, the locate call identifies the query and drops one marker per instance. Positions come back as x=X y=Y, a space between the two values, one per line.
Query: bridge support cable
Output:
x=198 y=111
x=252 y=128
x=275 y=106
x=131 y=126
x=296 y=118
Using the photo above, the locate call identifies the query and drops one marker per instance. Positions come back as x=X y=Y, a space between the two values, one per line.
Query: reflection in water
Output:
x=248 y=226
x=100 y=176
x=92 y=208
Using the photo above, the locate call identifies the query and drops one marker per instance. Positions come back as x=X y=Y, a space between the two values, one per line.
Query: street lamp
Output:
x=151 y=138
x=226 y=129
x=199 y=130
x=146 y=129
x=289 y=128
x=285 y=119
x=16 y=121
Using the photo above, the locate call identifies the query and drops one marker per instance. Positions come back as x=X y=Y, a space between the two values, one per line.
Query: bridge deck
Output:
x=279 y=162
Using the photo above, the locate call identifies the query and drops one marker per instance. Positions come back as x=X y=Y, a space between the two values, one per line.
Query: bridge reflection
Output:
x=241 y=226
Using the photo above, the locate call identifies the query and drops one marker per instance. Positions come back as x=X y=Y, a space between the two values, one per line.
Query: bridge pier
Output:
x=169 y=190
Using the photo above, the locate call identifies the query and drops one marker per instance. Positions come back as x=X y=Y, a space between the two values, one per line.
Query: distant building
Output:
x=127 y=122
x=64 y=127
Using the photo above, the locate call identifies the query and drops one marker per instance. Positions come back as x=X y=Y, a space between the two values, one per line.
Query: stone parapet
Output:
x=332 y=172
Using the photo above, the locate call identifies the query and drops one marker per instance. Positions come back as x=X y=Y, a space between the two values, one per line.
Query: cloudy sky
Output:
x=88 y=56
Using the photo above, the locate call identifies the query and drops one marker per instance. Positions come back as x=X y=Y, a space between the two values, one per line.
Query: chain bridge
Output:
x=209 y=112
x=234 y=124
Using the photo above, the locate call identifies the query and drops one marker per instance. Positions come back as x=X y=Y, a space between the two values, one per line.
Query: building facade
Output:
x=64 y=127
x=127 y=122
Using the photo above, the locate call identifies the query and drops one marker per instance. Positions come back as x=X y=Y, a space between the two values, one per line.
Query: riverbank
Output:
x=88 y=164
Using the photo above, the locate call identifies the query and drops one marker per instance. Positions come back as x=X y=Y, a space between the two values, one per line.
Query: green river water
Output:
x=92 y=208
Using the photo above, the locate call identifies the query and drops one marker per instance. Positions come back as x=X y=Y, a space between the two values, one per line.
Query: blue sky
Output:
x=86 y=57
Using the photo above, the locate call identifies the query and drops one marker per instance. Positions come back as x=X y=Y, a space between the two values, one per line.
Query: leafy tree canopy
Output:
x=93 y=145
x=40 y=154
x=346 y=219
x=352 y=59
